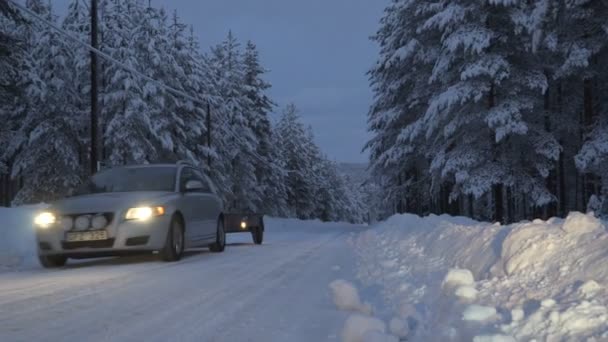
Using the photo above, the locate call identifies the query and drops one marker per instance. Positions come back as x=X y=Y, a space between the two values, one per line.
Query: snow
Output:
x=362 y=328
x=273 y=293
x=466 y=292
x=494 y=338
x=398 y=327
x=432 y=278
x=456 y=279
x=18 y=237
x=346 y=297
x=478 y=313
x=578 y=223
x=589 y=289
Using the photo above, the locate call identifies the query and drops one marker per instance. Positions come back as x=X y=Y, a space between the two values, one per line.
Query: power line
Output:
x=104 y=55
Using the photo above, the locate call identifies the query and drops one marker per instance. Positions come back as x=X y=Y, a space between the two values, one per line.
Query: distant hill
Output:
x=357 y=172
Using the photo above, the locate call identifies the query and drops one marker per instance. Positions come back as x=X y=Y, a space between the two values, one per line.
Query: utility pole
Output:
x=209 y=134
x=94 y=104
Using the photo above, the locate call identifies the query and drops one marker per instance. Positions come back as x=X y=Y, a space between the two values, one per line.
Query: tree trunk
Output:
x=562 y=203
x=4 y=190
x=589 y=180
x=497 y=189
x=471 y=209
x=551 y=181
x=562 y=185
x=509 y=213
x=399 y=195
x=498 y=203
x=454 y=206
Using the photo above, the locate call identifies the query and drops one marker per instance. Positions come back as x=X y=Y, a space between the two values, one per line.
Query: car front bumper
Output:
x=124 y=237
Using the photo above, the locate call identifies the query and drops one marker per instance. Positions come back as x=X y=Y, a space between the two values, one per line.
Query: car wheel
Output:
x=220 y=240
x=258 y=235
x=174 y=245
x=52 y=261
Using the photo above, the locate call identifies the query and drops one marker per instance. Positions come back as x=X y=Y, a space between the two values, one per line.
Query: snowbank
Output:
x=346 y=297
x=456 y=279
x=361 y=328
x=17 y=239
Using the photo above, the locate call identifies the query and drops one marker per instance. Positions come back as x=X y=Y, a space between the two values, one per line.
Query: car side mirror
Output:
x=194 y=185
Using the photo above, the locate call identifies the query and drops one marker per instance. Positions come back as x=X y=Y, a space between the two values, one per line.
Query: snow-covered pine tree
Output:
x=400 y=82
x=583 y=47
x=238 y=149
x=9 y=51
x=292 y=139
x=127 y=127
x=13 y=58
x=77 y=23
x=314 y=187
x=181 y=120
x=268 y=173
x=470 y=114
x=49 y=118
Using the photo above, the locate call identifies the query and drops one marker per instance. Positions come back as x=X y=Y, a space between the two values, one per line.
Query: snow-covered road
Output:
x=274 y=292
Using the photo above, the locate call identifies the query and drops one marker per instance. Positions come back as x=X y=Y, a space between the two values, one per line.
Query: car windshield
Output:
x=130 y=180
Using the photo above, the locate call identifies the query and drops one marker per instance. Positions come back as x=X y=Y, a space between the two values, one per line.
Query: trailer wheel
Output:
x=258 y=235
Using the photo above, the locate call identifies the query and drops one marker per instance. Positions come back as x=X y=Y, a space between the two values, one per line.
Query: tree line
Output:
x=491 y=109
x=45 y=110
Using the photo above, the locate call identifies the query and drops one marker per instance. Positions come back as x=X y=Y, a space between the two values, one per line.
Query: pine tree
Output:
x=128 y=128
x=269 y=175
x=292 y=140
x=454 y=83
x=13 y=56
x=400 y=81
x=48 y=117
x=238 y=147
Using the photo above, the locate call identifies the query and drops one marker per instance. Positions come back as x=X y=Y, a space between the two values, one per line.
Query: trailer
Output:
x=245 y=223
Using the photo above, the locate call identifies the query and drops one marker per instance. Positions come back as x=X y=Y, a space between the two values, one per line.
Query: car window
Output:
x=206 y=184
x=130 y=179
x=186 y=175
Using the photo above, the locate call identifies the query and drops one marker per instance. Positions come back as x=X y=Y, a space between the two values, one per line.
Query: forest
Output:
x=491 y=109
x=258 y=164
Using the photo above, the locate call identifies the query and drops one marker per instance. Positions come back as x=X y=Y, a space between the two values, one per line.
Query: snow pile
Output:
x=478 y=313
x=455 y=279
x=17 y=237
x=361 y=326
x=346 y=297
x=463 y=282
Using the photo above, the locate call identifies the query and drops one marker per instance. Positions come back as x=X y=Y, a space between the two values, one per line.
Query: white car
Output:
x=161 y=209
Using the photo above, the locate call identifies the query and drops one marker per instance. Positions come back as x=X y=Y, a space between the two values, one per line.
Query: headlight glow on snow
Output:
x=45 y=219
x=144 y=213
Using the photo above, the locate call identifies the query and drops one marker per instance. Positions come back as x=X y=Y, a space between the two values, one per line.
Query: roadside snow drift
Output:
x=17 y=239
x=455 y=279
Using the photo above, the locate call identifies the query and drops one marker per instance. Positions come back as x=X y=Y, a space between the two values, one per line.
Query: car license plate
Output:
x=94 y=235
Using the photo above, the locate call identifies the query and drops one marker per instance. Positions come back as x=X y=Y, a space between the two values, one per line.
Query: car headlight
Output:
x=45 y=219
x=144 y=213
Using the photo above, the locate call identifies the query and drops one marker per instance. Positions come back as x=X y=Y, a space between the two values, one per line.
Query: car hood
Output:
x=107 y=202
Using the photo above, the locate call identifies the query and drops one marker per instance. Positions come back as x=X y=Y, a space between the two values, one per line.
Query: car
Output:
x=160 y=208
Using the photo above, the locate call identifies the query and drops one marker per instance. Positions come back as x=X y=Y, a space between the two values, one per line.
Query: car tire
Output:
x=220 y=238
x=174 y=244
x=258 y=235
x=52 y=261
